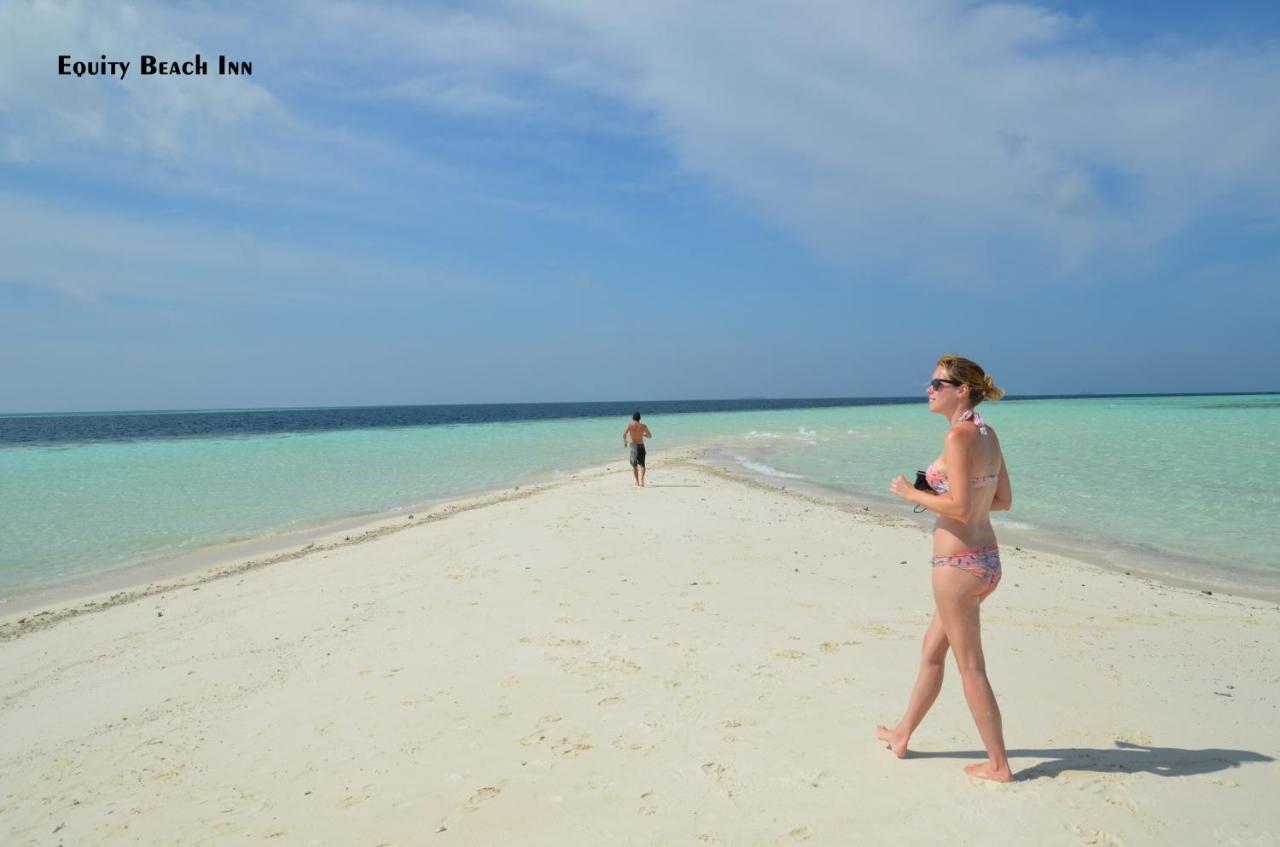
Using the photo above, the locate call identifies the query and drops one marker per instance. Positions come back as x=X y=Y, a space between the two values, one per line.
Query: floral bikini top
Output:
x=938 y=478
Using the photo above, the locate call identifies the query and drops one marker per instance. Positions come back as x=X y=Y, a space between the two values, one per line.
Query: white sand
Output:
x=701 y=662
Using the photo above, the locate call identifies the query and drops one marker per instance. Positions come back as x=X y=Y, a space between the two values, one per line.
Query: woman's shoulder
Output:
x=962 y=433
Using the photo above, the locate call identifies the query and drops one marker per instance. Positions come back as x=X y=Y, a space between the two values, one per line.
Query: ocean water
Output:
x=1175 y=479
x=82 y=494
x=1177 y=486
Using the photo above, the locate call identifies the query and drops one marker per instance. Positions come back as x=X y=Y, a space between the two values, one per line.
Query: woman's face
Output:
x=944 y=398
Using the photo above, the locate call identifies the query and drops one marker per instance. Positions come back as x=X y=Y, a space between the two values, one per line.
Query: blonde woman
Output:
x=967 y=483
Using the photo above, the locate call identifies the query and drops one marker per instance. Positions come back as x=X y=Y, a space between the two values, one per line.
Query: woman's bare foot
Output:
x=897 y=741
x=986 y=770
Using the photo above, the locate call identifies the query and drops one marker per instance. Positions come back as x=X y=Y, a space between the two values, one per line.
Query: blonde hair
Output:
x=971 y=374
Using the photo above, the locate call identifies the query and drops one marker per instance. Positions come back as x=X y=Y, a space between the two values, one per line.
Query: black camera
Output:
x=922 y=482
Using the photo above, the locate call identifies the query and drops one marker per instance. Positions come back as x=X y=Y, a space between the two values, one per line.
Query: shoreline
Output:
x=1121 y=557
x=273 y=544
x=43 y=608
x=46 y=607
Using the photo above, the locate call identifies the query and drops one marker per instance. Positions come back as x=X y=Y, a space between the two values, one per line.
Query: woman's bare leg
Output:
x=959 y=597
x=933 y=662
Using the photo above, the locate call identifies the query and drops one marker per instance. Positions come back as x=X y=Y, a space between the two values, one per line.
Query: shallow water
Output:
x=1188 y=476
x=1191 y=477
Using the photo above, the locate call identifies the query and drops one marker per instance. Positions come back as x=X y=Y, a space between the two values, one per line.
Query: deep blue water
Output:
x=128 y=426
x=88 y=427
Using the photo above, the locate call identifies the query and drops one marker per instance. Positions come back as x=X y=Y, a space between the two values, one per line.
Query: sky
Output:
x=552 y=200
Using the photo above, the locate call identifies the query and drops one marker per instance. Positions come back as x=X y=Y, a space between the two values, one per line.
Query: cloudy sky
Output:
x=561 y=200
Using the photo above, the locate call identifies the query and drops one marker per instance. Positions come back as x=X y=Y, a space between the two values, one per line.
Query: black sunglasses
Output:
x=936 y=384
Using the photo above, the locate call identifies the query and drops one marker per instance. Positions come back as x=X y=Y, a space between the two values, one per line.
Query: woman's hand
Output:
x=902 y=488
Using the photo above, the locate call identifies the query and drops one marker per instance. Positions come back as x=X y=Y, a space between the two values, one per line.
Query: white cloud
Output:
x=929 y=136
x=157 y=116
x=105 y=258
x=910 y=139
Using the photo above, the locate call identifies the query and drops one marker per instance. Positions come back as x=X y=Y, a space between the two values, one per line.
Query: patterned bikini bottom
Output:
x=982 y=562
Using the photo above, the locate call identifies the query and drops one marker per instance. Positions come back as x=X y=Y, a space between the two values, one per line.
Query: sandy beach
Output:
x=584 y=663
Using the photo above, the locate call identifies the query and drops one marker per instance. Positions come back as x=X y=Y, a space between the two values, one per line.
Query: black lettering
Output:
x=146 y=65
x=101 y=67
x=230 y=68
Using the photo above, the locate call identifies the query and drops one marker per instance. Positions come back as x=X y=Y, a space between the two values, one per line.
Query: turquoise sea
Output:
x=1181 y=485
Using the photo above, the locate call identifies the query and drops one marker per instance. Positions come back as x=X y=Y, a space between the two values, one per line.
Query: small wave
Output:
x=1011 y=524
x=766 y=470
x=756 y=434
x=806 y=432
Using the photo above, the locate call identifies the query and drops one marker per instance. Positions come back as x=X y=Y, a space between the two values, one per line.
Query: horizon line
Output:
x=834 y=399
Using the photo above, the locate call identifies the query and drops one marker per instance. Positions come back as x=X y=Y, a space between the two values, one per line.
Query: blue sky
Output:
x=555 y=200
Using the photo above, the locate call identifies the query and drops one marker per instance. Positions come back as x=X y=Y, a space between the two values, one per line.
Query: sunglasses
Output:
x=936 y=384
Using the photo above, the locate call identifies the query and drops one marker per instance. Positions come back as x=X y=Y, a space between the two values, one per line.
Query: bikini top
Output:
x=938 y=478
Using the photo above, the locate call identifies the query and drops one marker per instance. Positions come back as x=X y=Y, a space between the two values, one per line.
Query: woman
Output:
x=969 y=481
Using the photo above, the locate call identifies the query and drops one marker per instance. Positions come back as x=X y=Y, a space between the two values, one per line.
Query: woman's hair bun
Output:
x=981 y=387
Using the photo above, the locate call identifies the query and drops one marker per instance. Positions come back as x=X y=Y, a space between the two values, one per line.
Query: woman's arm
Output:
x=956 y=450
x=1003 y=499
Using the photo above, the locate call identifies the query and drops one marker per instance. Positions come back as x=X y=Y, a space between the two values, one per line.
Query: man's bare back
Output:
x=637 y=432
x=633 y=438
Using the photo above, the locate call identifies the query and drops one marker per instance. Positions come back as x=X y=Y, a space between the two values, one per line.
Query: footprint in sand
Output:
x=1136 y=738
x=800 y=833
x=1121 y=802
x=624 y=665
x=789 y=654
x=648 y=809
x=540 y=733
x=876 y=629
x=1097 y=837
x=610 y=701
x=723 y=777
x=554 y=642
x=570 y=748
x=833 y=646
x=481 y=795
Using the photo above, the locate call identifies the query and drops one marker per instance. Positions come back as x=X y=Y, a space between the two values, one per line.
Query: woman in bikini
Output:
x=969 y=481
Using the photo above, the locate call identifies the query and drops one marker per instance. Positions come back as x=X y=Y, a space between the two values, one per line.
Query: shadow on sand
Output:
x=1125 y=758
